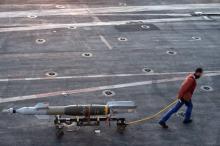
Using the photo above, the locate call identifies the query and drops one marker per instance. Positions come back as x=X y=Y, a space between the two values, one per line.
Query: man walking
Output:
x=185 y=94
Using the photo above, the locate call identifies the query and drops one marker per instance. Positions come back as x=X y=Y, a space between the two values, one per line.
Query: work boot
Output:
x=187 y=121
x=163 y=124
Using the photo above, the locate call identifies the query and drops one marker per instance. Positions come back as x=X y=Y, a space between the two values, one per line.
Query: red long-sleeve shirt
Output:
x=187 y=88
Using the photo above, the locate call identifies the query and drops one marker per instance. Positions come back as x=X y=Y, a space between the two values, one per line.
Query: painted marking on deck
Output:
x=105 y=42
x=28 y=27
x=93 y=89
x=99 y=76
x=81 y=11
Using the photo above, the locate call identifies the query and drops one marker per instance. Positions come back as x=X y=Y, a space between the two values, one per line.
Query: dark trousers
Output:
x=178 y=105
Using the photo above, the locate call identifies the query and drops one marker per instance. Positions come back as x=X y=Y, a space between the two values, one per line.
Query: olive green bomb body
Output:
x=79 y=110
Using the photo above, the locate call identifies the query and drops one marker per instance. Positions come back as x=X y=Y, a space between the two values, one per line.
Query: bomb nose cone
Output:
x=10 y=110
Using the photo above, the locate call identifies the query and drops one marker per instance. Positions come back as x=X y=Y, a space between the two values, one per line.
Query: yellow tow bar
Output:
x=144 y=119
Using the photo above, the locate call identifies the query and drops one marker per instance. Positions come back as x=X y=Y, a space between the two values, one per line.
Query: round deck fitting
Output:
x=71 y=27
x=32 y=16
x=171 y=52
x=147 y=70
x=87 y=54
x=51 y=74
x=60 y=6
x=206 y=88
x=196 y=38
x=122 y=39
x=40 y=41
x=145 y=26
x=108 y=93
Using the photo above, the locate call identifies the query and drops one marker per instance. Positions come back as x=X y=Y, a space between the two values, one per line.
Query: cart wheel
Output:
x=55 y=121
x=121 y=125
x=121 y=128
x=59 y=133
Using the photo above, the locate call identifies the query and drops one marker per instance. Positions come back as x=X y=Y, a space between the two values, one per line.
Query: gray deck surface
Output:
x=114 y=65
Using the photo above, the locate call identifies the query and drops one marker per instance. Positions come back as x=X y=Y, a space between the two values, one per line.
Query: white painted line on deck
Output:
x=105 y=42
x=44 y=26
x=5 y=80
x=93 y=89
x=99 y=76
x=26 y=5
x=88 y=11
x=85 y=13
x=85 y=90
x=143 y=14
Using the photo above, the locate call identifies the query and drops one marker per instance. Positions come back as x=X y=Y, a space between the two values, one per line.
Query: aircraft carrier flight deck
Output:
x=65 y=52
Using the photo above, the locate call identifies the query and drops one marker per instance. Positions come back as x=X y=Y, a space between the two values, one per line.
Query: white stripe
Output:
x=92 y=89
x=83 y=11
x=141 y=14
x=105 y=42
x=85 y=90
x=4 y=100
x=102 y=76
x=4 y=80
x=26 y=5
x=28 y=79
x=87 y=24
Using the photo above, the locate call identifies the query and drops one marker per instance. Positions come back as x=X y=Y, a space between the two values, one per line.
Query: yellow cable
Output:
x=152 y=116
